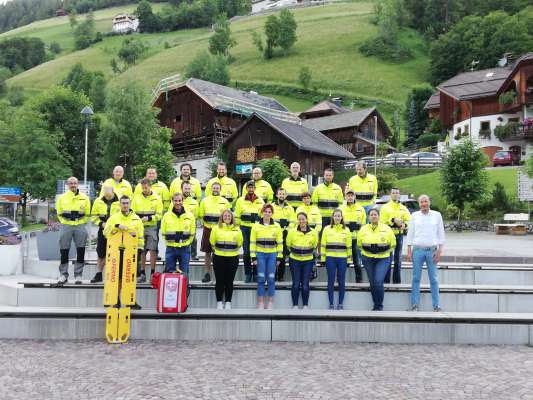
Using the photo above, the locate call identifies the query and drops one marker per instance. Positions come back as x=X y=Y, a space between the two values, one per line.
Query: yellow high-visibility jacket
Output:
x=102 y=210
x=228 y=188
x=327 y=198
x=122 y=188
x=336 y=242
x=393 y=210
x=211 y=208
x=283 y=215
x=73 y=209
x=314 y=218
x=302 y=244
x=262 y=189
x=196 y=187
x=354 y=217
x=148 y=206
x=294 y=189
x=132 y=221
x=266 y=239
x=376 y=241
x=365 y=188
x=247 y=212
x=226 y=240
x=191 y=204
x=178 y=229
x=159 y=188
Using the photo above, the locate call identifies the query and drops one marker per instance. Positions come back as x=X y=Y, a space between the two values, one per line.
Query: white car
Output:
x=395 y=159
x=424 y=159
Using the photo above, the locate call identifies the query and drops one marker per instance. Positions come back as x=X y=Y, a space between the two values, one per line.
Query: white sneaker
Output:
x=227 y=306
x=220 y=305
x=305 y=307
x=294 y=307
x=62 y=279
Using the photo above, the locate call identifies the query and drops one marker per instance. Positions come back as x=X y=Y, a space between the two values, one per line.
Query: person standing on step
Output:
x=148 y=206
x=314 y=217
x=266 y=250
x=247 y=209
x=178 y=227
x=211 y=208
x=186 y=176
x=73 y=210
x=376 y=241
x=284 y=216
x=226 y=241
x=295 y=186
x=302 y=242
x=192 y=205
x=103 y=208
x=327 y=197
x=335 y=254
x=365 y=186
x=262 y=187
x=354 y=218
x=228 y=187
x=120 y=186
x=425 y=241
x=397 y=216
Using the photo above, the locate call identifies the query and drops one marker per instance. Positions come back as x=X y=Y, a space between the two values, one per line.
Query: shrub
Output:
x=379 y=47
x=507 y=98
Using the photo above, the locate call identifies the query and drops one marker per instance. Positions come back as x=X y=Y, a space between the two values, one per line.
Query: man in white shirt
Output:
x=425 y=240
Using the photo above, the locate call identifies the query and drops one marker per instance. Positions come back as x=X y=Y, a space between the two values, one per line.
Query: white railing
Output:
x=166 y=85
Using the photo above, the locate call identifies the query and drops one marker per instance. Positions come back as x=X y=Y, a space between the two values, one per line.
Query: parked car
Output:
x=424 y=159
x=409 y=202
x=395 y=159
x=9 y=231
x=369 y=160
x=502 y=158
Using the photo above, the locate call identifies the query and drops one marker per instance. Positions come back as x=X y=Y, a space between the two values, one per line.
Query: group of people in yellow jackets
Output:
x=329 y=228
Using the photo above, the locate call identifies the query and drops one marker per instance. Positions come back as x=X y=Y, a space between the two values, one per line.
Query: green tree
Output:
x=5 y=74
x=55 y=47
x=529 y=166
x=32 y=155
x=84 y=32
x=274 y=171
x=158 y=154
x=131 y=51
x=148 y=21
x=221 y=40
x=305 y=77
x=90 y=83
x=394 y=139
x=287 y=30
x=209 y=68
x=272 y=32
x=130 y=125
x=417 y=118
x=464 y=179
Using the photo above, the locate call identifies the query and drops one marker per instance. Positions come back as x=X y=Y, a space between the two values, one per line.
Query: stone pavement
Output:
x=222 y=370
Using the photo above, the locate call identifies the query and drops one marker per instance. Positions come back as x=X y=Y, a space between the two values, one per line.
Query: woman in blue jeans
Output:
x=336 y=253
x=376 y=241
x=266 y=251
x=301 y=243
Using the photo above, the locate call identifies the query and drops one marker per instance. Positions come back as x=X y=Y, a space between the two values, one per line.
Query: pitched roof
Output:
x=302 y=137
x=475 y=84
x=433 y=101
x=213 y=92
x=325 y=105
x=338 y=121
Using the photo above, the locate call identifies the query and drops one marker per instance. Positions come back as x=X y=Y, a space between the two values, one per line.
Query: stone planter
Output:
x=11 y=256
x=48 y=246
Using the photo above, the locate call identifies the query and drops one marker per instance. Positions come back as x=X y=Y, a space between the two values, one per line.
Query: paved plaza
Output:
x=245 y=370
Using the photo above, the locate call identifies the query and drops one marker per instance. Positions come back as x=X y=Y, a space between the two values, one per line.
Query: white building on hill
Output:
x=124 y=23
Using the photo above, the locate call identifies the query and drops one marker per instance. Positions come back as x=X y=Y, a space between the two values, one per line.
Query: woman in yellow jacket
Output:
x=226 y=241
x=376 y=241
x=336 y=253
x=266 y=250
x=301 y=243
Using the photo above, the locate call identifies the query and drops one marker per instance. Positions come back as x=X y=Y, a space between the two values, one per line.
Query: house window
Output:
x=514 y=119
x=459 y=131
x=485 y=125
x=467 y=129
x=178 y=118
x=359 y=148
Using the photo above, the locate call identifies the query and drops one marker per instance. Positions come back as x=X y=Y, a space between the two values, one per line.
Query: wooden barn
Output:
x=263 y=136
x=353 y=130
x=202 y=114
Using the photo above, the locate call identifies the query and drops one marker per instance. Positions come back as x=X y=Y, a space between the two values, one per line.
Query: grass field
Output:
x=328 y=38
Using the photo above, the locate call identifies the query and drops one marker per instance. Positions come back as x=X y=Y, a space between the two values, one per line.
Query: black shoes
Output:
x=206 y=278
x=97 y=278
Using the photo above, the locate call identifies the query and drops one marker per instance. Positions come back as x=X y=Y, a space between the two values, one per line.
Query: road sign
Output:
x=10 y=194
x=242 y=169
x=525 y=187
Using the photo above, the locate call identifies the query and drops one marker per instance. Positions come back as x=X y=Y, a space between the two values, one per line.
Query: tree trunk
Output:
x=459 y=226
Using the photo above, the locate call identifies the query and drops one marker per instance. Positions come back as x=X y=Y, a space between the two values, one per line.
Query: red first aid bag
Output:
x=171 y=292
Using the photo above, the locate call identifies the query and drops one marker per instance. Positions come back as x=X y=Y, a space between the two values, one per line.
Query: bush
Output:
x=131 y=51
x=503 y=132
x=386 y=181
x=274 y=171
x=507 y=98
x=209 y=68
x=500 y=199
x=55 y=48
x=379 y=47
x=529 y=167
x=428 y=140
x=304 y=77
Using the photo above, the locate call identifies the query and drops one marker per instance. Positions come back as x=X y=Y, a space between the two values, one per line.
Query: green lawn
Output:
x=32 y=227
x=328 y=38
x=294 y=105
x=430 y=184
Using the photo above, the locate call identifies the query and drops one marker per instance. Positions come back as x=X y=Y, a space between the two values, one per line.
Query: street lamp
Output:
x=87 y=113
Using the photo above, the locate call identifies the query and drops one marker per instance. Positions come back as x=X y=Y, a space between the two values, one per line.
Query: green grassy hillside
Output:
x=328 y=38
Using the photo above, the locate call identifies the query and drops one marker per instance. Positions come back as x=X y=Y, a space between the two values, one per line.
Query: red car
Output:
x=502 y=158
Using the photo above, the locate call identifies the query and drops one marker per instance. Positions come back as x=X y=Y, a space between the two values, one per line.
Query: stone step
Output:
x=453 y=298
x=45 y=323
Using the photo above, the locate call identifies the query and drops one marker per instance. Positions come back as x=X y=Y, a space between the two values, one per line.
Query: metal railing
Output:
x=242 y=105
x=165 y=85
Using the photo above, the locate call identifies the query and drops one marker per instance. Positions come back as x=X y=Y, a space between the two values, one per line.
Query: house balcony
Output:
x=512 y=106
x=520 y=132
